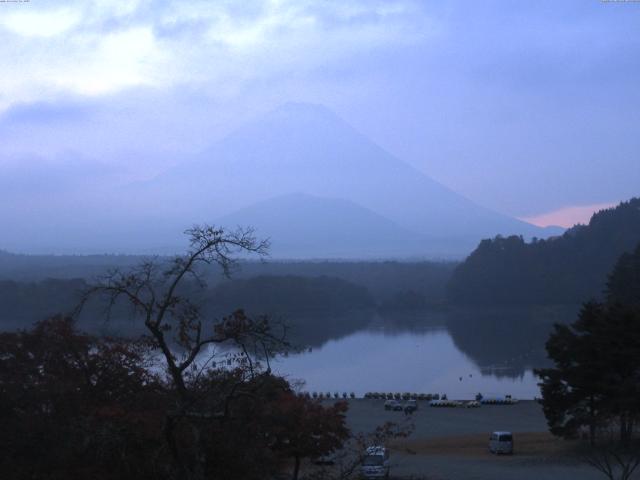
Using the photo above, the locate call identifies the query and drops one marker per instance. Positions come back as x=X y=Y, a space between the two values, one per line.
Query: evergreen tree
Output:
x=572 y=391
x=623 y=287
x=596 y=378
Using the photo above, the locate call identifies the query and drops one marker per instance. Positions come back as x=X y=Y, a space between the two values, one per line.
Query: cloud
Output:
x=45 y=23
x=512 y=104
x=98 y=47
x=44 y=113
x=118 y=60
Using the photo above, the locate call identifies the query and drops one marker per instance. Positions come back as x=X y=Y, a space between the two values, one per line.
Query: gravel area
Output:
x=451 y=443
x=525 y=416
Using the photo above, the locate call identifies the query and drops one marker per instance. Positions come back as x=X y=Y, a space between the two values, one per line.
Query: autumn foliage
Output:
x=77 y=406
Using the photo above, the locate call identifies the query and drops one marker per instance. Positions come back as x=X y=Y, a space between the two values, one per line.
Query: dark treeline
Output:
x=24 y=303
x=34 y=268
x=315 y=309
x=320 y=300
x=297 y=300
x=289 y=294
x=560 y=270
x=383 y=279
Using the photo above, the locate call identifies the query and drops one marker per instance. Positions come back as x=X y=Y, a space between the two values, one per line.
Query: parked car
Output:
x=390 y=404
x=375 y=463
x=410 y=406
x=501 y=442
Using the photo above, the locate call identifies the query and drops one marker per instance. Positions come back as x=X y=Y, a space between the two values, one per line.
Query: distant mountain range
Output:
x=372 y=203
x=301 y=225
x=299 y=174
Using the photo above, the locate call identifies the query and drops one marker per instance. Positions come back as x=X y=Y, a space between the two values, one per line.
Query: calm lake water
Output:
x=459 y=353
x=377 y=361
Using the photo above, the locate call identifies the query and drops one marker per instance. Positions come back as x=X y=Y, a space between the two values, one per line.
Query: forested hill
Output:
x=561 y=270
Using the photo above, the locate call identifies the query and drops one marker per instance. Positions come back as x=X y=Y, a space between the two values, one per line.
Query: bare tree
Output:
x=156 y=292
x=615 y=461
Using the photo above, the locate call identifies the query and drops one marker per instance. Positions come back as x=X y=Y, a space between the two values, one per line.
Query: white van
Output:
x=375 y=463
x=501 y=442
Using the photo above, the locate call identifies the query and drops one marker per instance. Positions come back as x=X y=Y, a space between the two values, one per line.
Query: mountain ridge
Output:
x=295 y=148
x=339 y=229
x=309 y=149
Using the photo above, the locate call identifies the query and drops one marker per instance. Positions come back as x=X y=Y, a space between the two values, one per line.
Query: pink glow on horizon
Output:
x=567 y=216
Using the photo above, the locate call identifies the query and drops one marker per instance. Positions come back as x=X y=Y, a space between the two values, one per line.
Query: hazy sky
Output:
x=524 y=107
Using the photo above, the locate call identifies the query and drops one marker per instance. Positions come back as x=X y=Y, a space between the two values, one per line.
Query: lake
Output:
x=460 y=353
x=423 y=362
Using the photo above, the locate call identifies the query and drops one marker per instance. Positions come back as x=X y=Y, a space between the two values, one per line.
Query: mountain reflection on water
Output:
x=459 y=352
